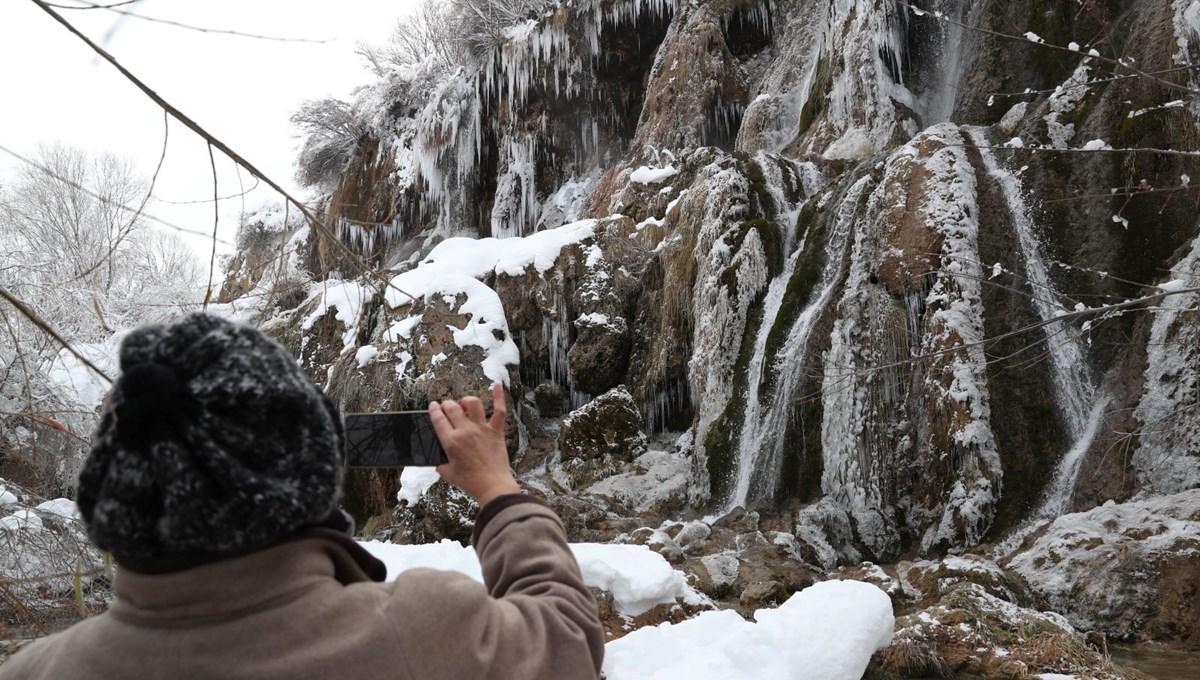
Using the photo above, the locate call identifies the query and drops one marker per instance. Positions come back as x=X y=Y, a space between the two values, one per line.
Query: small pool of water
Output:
x=1160 y=664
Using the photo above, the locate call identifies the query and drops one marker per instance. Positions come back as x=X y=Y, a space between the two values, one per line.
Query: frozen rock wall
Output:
x=857 y=252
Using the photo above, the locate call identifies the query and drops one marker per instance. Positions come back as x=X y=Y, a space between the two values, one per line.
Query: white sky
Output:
x=240 y=89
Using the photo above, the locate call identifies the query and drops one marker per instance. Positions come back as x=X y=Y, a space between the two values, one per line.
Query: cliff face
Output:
x=855 y=251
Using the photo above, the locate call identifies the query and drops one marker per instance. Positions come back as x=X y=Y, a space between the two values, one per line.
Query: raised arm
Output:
x=535 y=619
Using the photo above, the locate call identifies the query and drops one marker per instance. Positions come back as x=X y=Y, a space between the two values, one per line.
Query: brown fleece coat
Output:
x=309 y=608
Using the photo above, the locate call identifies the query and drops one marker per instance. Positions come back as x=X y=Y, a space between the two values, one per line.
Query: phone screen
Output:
x=396 y=439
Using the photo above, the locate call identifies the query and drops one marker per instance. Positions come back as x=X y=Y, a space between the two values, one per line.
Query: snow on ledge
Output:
x=477 y=258
x=648 y=175
x=414 y=482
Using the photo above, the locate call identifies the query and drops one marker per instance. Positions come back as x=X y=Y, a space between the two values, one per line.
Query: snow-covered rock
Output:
x=658 y=483
x=1126 y=570
x=41 y=547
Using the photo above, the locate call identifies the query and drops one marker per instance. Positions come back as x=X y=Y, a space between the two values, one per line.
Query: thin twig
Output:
x=89 y=5
x=98 y=197
x=224 y=148
x=115 y=9
x=212 y=260
x=230 y=197
x=138 y=213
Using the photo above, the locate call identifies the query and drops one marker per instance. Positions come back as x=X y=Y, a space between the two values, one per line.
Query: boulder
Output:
x=584 y=518
x=763 y=594
x=927 y=581
x=714 y=575
x=442 y=512
x=738 y=519
x=549 y=399
x=971 y=633
x=1126 y=570
x=600 y=355
x=657 y=485
x=693 y=536
x=609 y=427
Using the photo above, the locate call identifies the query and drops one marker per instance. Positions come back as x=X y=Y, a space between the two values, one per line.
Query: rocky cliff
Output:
x=908 y=277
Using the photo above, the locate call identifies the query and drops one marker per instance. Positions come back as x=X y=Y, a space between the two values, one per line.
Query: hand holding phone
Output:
x=475 y=446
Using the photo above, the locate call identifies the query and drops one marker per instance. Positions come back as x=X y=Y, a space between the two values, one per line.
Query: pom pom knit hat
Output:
x=213 y=442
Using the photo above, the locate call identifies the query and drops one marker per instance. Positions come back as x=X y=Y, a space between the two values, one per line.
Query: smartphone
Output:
x=397 y=439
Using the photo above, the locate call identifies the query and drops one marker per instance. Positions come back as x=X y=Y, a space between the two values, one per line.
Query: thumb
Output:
x=499 y=408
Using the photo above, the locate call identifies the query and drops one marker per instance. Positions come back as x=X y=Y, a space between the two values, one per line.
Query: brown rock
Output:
x=443 y=512
x=608 y=427
x=763 y=593
x=549 y=399
x=600 y=355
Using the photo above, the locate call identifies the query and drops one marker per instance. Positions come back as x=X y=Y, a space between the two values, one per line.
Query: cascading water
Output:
x=1082 y=409
x=939 y=99
x=763 y=426
x=1058 y=500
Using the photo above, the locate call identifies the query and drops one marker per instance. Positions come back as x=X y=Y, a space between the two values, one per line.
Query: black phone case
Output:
x=387 y=440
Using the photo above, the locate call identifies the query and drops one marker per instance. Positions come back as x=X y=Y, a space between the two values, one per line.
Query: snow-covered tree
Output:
x=78 y=256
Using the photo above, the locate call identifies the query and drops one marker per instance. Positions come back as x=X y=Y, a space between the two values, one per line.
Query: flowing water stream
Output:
x=1160 y=664
x=1081 y=407
x=763 y=423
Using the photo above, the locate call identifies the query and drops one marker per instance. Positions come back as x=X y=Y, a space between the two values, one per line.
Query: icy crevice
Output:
x=867 y=43
x=517 y=204
x=1168 y=454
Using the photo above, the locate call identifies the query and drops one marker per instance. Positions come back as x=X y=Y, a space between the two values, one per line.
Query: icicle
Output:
x=666 y=405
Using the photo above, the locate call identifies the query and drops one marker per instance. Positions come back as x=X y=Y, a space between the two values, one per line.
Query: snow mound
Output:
x=62 y=507
x=447 y=555
x=41 y=547
x=7 y=497
x=637 y=577
x=828 y=631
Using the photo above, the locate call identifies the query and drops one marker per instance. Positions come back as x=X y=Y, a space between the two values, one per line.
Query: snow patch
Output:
x=828 y=631
x=638 y=578
x=365 y=355
x=414 y=482
x=647 y=175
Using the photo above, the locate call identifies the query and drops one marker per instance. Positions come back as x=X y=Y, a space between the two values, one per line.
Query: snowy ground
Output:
x=827 y=631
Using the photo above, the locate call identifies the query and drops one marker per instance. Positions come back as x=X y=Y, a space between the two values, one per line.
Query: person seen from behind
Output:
x=213 y=480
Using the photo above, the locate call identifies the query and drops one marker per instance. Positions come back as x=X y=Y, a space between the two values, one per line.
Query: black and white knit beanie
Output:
x=213 y=442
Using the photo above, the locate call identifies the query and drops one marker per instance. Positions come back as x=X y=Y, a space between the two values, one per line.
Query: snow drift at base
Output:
x=829 y=630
